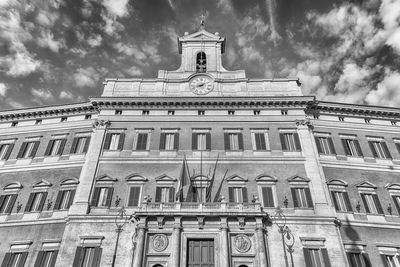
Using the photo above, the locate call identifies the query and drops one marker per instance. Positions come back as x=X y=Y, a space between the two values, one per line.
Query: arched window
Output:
x=243 y=265
x=201 y=62
x=157 y=265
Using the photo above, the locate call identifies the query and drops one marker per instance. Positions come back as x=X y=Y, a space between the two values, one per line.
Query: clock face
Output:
x=201 y=85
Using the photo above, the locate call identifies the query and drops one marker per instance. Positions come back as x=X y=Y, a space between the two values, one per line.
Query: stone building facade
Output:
x=191 y=167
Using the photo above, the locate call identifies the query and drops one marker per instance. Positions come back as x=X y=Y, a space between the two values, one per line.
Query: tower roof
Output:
x=201 y=36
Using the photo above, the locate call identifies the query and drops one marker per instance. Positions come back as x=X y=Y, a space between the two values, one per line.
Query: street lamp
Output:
x=120 y=220
x=279 y=220
x=289 y=242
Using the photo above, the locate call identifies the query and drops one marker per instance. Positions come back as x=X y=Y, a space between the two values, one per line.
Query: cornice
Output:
x=217 y=76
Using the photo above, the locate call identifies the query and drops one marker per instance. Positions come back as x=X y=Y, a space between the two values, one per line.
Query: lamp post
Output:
x=289 y=242
x=120 y=220
x=279 y=219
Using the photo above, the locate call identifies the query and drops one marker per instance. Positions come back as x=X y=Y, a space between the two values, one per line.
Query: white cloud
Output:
x=86 y=77
x=47 y=40
x=387 y=93
x=20 y=63
x=42 y=94
x=117 y=8
x=66 y=95
x=3 y=89
x=95 y=40
x=134 y=71
x=112 y=27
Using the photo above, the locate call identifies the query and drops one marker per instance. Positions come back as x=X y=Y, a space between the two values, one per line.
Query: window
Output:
x=367 y=121
x=268 y=197
x=231 y=112
x=102 y=196
x=87 y=257
x=141 y=143
x=358 y=259
x=118 y=112
x=15 y=259
x=290 y=142
x=201 y=112
x=302 y=197
x=379 y=149
x=394 y=123
x=7 y=203
x=341 y=118
x=38 y=122
x=55 y=147
x=88 y=116
x=46 y=258
x=64 y=199
x=134 y=196
x=284 y=112
x=201 y=62
x=233 y=141
x=63 y=119
x=371 y=203
x=145 y=112
x=14 y=124
x=169 y=141
x=391 y=260
x=260 y=140
x=5 y=150
x=171 y=112
x=256 y=112
x=28 y=149
x=114 y=141
x=316 y=257
x=396 y=200
x=36 y=201
x=325 y=145
x=80 y=145
x=201 y=141
x=165 y=194
x=238 y=194
x=352 y=147
x=341 y=201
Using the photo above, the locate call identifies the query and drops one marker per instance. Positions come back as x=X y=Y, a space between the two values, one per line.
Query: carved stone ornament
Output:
x=101 y=124
x=304 y=123
x=159 y=242
x=160 y=221
x=200 y=221
x=242 y=222
x=242 y=243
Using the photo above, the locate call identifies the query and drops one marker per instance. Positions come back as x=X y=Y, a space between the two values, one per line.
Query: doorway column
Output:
x=261 y=243
x=176 y=242
x=138 y=258
x=224 y=250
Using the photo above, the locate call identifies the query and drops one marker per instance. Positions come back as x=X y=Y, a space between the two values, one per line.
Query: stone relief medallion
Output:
x=160 y=242
x=242 y=243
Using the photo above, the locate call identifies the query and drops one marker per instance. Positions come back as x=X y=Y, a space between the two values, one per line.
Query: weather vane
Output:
x=202 y=21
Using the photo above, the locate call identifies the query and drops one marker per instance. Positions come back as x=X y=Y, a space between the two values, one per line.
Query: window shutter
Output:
x=385 y=148
x=107 y=141
x=158 y=194
x=309 y=199
x=48 y=148
x=240 y=141
x=194 y=141
x=263 y=142
x=334 y=200
x=58 y=200
x=95 y=197
x=396 y=204
x=226 y=141
x=294 y=196
x=366 y=260
x=208 y=141
x=365 y=203
x=373 y=150
x=244 y=195
x=12 y=203
x=29 y=203
x=231 y=194
x=22 y=150
x=378 y=204
x=358 y=148
x=8 y=153
x=171 y=194
x=35 y=148
x=121 y=141
x=134 y=196
x=71 y=198
x=176 y=141
x=61 y=148
x=22 y=260
x=317 y=142
x=2 y=197
x=39 y=259
x=42 y=200
x=307 y=257
x=268 y=197
x=398 y=147
x=97 y=256
x=162 y=141
x=109 y=196
x=79 y=254
x=297 y=141
x=331 y=146
x=347 y=200
x=6 y=260
x=53 y=258
x=74 y=145
x=87 y=143
x=325 y=256
x=283 y=143
x=346 y=148
x=385 y=263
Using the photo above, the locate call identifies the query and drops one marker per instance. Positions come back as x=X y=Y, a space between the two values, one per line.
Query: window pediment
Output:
x=236 y=179
x=135 y=178
x=43 y=183
x=165 y=178
x=69 y=181
x=13 y=186
x=336 y=182
x=366 y=184
x=266 y=178
x=106 y=178
x=298 y=179
x=393 y=186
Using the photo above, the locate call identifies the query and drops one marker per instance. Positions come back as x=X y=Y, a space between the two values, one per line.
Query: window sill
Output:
x=168 y=152
x=292 y=153
x=24 y=161
x=355 y=158
x=51 y=158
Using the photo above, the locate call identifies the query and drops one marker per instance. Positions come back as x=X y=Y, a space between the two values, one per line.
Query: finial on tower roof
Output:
x=202 y=21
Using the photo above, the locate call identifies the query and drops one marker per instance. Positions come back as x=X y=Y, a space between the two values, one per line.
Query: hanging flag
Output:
x=216 y=198
x=209 y=188
x=184 y=180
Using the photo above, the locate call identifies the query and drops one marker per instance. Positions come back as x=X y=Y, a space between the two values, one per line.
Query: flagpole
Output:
x=201 y=176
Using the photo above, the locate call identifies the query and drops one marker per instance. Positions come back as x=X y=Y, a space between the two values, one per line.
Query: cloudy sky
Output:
x=60 y=51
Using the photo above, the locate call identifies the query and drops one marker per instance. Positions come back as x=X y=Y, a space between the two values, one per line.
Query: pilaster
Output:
x=176 y=242
x=224 y=252
x=261 y=243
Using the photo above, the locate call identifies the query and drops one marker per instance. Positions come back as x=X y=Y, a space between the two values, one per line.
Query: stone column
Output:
x=139 y=251
x=176 y=243
x=260 y=243
x=89 y=169
x=314 y=171
x=224 y=249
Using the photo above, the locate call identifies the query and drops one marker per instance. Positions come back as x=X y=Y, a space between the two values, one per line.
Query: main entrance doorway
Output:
x=200 y=253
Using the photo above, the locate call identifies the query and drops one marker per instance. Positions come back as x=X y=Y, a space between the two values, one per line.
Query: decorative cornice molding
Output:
x=304 y=124
x=101 y=124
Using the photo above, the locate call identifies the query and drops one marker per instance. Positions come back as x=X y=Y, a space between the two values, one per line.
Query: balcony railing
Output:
x=201 y=207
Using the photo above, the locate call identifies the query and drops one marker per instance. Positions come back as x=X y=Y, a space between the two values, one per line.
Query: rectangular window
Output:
x=396 y=200
x=325 y=145
x=15 y=259
x=352 y=147
x=80 y=145
x=391 y=260
x=141 y=143
x=165 y=194
x=233 y=141
x=169 y=141
x=201 y=141
x=46 y=258
x=64 y=199
x=7 y=203
x=28 y=149
x=260 y=141
x=134 y=196
x=379 y=149
x=358 y=259
x=316 y=257
x=55 y=147
x=114 y=141
x=87 y=257
x=36 y=201
x=290 y=142
x=371 y=203
x=238 y=194
x=102 y=196
x=268 y=197
x=341 y=201
x=302 y=197
x=5 y=151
